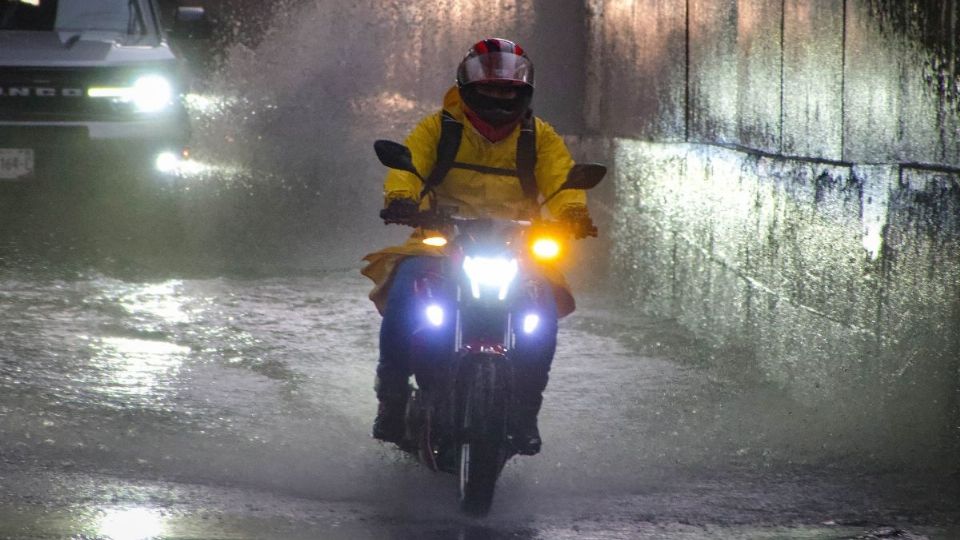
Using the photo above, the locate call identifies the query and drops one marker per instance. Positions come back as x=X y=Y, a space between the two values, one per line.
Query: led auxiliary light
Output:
x=530 y=323
x=435 y=315
x=546 y=249
x=150 y=93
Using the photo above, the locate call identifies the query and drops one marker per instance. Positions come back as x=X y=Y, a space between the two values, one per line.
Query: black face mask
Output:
x=495 y=111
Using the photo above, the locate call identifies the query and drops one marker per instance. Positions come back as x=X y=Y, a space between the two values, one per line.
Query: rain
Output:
x=767 y=335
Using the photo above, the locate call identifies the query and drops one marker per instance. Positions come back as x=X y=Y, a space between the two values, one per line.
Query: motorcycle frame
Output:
x=440 y=392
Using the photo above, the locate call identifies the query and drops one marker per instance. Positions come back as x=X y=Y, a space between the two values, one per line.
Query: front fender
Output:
x=484 y=392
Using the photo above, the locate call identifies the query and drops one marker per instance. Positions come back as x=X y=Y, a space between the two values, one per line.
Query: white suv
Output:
x=88 y=82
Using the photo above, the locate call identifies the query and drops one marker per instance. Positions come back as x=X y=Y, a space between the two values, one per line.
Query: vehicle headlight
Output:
x=152 y=93
x=149 y=94
x=495 y=273
x=167 y=162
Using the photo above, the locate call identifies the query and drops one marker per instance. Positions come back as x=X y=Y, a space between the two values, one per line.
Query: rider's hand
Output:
x=400 y=210
x=577 y=217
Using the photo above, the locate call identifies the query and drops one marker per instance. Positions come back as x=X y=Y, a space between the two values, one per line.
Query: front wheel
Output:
x=482 y=448
x=480 y=465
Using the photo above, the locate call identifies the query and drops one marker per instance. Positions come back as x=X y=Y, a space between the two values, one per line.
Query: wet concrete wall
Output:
x=854 y=80
x=787 y=187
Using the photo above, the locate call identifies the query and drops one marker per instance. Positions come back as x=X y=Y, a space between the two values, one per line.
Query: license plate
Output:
x=15 y=163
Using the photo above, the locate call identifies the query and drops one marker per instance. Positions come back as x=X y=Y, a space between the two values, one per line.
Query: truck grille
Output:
x=47 y=94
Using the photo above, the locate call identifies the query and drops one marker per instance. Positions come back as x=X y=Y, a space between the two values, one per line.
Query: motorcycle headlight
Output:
x=149 y=94
x=494 y=273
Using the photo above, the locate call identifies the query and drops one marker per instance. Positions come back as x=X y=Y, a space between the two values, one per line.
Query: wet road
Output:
x=191 y=368
x=217 y=406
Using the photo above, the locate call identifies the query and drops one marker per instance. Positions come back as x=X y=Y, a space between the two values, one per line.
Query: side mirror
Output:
x=581 y=176
x=191 y=23
x=396 y=156
x=584 y=176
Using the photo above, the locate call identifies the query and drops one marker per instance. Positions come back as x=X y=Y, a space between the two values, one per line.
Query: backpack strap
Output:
x=527 y=156
x=450 y=132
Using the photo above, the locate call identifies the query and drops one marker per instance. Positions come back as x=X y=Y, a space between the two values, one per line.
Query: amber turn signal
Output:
x=436 y=241
x=546 y=249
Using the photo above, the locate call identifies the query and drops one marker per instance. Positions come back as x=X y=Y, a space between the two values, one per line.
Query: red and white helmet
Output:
x=497 y=61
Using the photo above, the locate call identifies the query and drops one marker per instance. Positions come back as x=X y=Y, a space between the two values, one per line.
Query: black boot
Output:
x=525 y=434
x=531 y=381
x=389 y=425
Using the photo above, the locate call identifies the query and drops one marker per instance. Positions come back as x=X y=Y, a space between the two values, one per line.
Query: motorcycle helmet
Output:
x=496 y=62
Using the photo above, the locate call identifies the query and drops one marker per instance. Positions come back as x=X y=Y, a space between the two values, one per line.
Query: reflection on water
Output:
x=143 y=363
x=159 y=300
x=130 y=524
x=136 y=366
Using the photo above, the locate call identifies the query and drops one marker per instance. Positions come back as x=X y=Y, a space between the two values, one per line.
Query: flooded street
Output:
x=240 y=407
x=763 y=345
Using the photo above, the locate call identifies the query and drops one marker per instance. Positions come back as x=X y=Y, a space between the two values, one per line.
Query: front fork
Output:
x=472 y=327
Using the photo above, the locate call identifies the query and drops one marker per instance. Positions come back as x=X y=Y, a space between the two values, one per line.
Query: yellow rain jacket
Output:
x=475 y=194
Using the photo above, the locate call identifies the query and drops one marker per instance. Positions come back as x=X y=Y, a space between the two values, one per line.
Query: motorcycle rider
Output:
x=492 y=102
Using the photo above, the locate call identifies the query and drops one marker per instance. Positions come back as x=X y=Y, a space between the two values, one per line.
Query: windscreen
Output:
x=122 y=16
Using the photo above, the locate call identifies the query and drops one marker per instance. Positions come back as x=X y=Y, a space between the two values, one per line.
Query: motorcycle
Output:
x=458 y=416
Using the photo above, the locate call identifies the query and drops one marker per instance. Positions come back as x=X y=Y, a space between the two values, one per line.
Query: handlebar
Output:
x=441 y=220
x=438 y=220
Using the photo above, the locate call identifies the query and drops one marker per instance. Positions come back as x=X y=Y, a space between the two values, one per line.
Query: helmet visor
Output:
x=496 y=67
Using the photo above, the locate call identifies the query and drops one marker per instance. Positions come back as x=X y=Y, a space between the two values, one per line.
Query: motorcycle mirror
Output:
x=584 y=176
x=395 y=155
x=581 y=176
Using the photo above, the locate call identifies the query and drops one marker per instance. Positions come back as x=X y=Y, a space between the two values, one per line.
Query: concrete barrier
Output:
x=839 y=283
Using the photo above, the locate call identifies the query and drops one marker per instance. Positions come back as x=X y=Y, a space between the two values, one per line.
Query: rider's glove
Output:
x=400 y=210
x=577 y=217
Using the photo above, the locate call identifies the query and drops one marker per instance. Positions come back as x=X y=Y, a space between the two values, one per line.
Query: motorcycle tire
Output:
x=483 y=446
